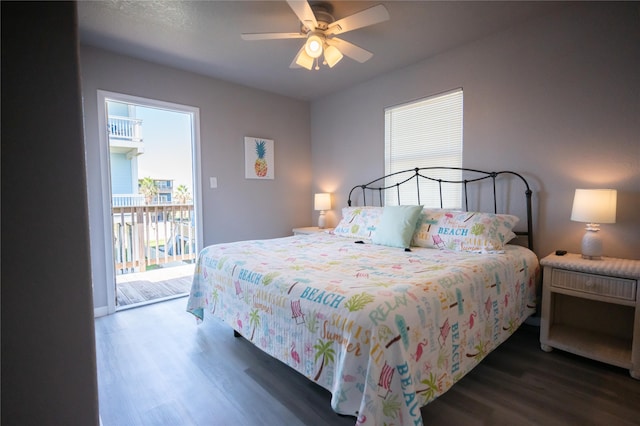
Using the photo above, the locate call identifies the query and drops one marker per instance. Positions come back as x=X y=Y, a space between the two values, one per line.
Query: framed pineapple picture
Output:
x=258 y=158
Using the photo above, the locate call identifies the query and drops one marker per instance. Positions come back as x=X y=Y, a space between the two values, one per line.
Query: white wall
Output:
x=48 y=345
x=239 y=208
x=556 y=99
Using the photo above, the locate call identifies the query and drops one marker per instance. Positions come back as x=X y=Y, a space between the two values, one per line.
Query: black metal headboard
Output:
x=406 y=176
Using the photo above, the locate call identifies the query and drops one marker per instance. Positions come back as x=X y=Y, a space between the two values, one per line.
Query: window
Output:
x=425 y=133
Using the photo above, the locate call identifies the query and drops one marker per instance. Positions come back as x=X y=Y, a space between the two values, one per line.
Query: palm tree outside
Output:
x=182 y=194
x=148 y=188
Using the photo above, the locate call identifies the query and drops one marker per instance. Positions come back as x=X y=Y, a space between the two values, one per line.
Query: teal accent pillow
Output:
x=397 y=225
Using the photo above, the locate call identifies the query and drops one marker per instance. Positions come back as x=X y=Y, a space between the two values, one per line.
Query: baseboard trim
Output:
x=100 y=311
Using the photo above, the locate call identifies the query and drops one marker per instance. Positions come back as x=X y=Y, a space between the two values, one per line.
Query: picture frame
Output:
x=258 y=158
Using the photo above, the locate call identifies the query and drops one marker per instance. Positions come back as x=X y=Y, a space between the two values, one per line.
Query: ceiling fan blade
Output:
x=373 y=15
x=270 y=36
x=351 y=50
x=303 y=11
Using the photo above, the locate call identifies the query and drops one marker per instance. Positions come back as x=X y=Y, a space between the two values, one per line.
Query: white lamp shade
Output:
x=313 y=46
x=594 y=206
x=332 y=55
x=322 y=201
x=304 y=60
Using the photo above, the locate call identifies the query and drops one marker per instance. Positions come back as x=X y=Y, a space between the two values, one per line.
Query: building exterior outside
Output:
x=125 y=145
x=165 y=189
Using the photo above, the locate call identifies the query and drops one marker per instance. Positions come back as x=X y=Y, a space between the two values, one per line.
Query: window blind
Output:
x=425 y=133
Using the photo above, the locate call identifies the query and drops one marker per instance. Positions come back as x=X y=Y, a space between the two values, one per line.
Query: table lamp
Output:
x=322 y=202
x=593 y=206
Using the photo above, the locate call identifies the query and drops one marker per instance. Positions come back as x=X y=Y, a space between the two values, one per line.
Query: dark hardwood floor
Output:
x=156 y=366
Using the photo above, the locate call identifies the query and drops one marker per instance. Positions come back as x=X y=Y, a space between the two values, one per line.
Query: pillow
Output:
x=427 y=226
x=397 y=225
x=467 y=231
x=358 y=222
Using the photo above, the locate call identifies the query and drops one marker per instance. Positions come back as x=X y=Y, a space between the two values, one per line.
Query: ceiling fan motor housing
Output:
x=322 y=12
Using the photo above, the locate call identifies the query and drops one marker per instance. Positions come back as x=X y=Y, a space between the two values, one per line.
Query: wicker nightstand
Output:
x=592 y=308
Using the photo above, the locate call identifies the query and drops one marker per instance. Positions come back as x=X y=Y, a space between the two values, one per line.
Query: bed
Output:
x=391 y=308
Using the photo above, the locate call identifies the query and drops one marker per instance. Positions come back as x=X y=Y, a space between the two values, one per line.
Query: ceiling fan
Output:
x=320 y=29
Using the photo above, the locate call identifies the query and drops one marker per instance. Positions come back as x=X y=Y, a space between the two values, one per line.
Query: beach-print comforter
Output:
x=384 y=330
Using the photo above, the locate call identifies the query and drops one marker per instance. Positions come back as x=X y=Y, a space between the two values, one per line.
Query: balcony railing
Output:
x=152 y=235
x=125 y=128
x=124 y=200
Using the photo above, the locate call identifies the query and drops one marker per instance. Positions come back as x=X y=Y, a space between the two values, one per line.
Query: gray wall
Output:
x=239 y=208
x=48 y=347
x=556 y=99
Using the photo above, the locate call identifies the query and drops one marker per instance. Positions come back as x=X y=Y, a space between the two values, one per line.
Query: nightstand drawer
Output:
x=595 y=284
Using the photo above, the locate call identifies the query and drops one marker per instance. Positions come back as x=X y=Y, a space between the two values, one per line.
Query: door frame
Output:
x=105 y=174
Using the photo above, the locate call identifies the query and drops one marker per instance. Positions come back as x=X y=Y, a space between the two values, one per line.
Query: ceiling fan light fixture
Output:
x=313 y=46
x=319 y=28
x=332 y=55
x=304 y=60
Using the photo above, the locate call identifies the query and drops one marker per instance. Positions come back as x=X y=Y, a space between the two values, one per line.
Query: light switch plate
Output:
x=213 y=182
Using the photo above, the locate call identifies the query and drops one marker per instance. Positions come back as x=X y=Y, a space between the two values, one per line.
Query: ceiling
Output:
x=204 y=37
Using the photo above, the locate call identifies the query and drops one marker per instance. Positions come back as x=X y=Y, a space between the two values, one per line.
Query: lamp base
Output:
x=321 y=220
x=592 y=244
x=584 y=256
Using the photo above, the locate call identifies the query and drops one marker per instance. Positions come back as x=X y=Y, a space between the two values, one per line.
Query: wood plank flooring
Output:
x=142 y=291
x=143 y=287
x=156 y=366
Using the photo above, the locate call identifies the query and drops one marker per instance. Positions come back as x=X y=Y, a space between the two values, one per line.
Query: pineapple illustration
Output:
x=261 y=164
